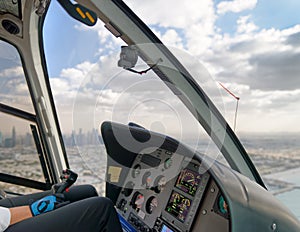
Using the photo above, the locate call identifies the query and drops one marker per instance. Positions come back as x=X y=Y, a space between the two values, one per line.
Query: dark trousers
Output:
x=85 y=213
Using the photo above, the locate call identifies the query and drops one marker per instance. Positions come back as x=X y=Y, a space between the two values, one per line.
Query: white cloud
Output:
x=264 y=59
x=60 y=86
x=8 y=52
x=195 y=19
x=110 y=93
x=21 y=89
x=76 y=75
x=177 y=27
x=172 y=38
x=13 y=89
x=180 y=14
x=108 y=42
x=235 y=6
x=262 y=111
x=199 y=39
x=259 y=65
x=244 y=26
x=103 y=33
x=12 y=72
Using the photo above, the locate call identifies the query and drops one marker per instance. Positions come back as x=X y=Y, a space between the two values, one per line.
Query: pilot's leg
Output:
x=92 y=214
x=75 y=193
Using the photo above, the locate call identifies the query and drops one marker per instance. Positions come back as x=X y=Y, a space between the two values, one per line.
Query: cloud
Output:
x=244 y=26
x=293 y=39
x=108 y=92
x=194 y=24
x=13 y=89
x=154 y=12
x=276 y=70
x=108 y=43
x=172 y=38
x=265 y=59
x=259 y=65
x=262 y=110
x=278 y=98
x=8 y=52
x=16 y=71
x=235 y=6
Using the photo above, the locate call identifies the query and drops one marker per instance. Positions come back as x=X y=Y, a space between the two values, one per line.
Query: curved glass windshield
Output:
x=89 y=88
x=90 y=84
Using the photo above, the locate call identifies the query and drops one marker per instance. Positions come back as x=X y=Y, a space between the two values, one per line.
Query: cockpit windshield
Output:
x=118 y=70
x=143 y=83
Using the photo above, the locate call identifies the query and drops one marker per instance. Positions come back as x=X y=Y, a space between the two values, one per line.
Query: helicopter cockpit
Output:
x=157 y=182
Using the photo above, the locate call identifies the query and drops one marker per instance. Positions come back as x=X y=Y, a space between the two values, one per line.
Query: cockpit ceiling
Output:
x=13 y=7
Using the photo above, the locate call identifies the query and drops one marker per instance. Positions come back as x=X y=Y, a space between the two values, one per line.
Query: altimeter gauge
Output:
x=151 y=204
x=137 y=201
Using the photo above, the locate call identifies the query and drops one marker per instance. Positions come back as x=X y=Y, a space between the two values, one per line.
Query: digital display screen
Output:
x=188 y=181
x=166 y=229
x=178 y=206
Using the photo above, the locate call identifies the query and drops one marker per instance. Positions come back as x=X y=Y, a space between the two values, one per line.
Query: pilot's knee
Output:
x=101 y=205
x=80 y=192
x=104 y=202
x=88 y=190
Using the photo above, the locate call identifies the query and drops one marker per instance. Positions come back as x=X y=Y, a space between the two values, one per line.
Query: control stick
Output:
x=68 y=178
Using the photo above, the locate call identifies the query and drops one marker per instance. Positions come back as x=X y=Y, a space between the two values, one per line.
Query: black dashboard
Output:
x=160 y=185
x=159 y=189
x=163 y=191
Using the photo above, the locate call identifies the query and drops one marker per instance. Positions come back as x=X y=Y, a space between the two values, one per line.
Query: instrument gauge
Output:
x=189 y=178
x=147 y=179
x=160 y=184
x=137 y=201
x=188 y=181
x=151 y=204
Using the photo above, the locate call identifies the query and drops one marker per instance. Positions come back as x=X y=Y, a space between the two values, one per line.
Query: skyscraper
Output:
x=13 y=136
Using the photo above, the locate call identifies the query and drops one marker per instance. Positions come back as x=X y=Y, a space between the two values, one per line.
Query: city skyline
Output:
x=76 y=138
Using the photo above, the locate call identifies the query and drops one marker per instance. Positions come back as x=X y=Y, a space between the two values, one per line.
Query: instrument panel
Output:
x=162 y=192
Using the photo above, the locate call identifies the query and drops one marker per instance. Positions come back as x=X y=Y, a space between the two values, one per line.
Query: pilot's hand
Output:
x=46 y=204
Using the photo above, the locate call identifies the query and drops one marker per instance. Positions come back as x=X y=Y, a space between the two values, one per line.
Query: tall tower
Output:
x=0 y=139
x=13 y=136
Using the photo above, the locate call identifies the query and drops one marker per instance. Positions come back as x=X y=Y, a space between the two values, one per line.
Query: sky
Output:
x=250 y=46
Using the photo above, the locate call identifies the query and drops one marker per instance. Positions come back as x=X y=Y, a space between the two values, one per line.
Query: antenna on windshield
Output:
x=237 y=103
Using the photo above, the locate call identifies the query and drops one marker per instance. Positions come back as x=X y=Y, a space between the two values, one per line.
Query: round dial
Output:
x=136 y=170
x=186 y=203
x=146 y=181
x=151 y=204
x=137 y=200
x=189 y=178
x=160 y=184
